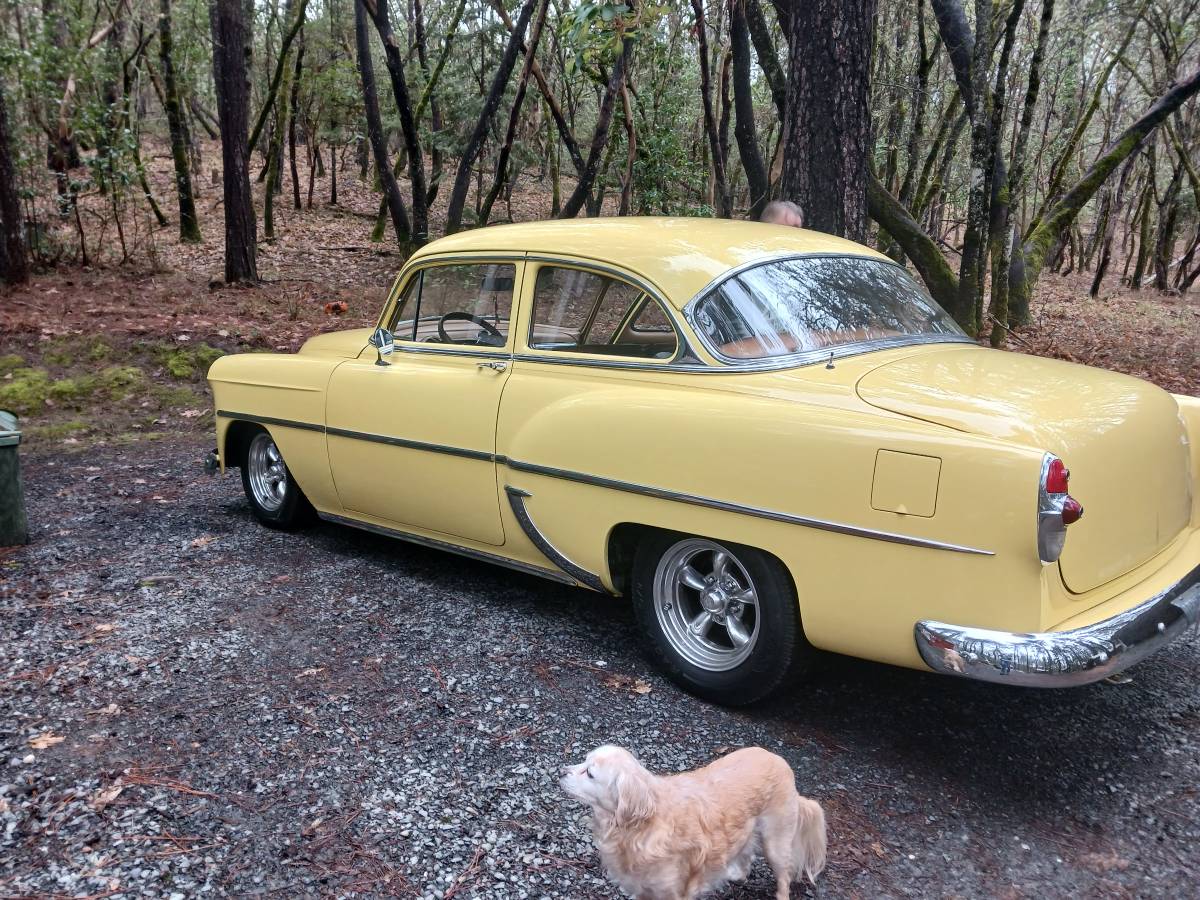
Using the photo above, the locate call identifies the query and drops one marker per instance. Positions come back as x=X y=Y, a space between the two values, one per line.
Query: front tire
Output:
x=721 y=619
x=275 y=497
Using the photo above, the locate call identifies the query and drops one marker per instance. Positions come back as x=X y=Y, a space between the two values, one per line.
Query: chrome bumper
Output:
x=1063 y=658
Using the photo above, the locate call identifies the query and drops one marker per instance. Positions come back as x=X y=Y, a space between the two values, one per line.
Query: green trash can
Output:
x=14 y=527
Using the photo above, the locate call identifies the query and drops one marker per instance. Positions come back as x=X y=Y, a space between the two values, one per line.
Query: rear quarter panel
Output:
x=279 y=386
x=683 y=433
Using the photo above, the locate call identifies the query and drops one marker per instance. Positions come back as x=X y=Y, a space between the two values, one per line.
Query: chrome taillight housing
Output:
x=1056 y=508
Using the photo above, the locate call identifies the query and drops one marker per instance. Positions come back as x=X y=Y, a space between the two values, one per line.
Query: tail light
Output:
x=1056 y=508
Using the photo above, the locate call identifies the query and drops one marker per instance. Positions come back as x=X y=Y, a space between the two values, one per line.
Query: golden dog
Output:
x=675 y=837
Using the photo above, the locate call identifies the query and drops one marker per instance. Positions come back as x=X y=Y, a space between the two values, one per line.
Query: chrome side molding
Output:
x=516 y=499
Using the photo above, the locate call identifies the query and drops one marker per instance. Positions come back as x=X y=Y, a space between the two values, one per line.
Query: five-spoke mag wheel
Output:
x=706 y=604
x=274 y=496
x=721 y=619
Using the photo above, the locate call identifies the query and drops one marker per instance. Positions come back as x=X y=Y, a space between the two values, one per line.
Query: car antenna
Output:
x=829 y=365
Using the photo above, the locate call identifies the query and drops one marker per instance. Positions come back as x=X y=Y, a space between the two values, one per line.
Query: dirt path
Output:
x=191 y=702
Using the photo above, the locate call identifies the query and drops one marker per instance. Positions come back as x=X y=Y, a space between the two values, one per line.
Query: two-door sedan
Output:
x=772 y=440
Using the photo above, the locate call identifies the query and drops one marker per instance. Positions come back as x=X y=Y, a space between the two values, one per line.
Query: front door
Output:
x=413 y=442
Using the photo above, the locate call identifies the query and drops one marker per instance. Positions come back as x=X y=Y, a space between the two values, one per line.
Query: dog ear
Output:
x=635 y=798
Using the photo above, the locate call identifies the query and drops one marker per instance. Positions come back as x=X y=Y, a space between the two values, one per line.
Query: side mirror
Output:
x=384 y=343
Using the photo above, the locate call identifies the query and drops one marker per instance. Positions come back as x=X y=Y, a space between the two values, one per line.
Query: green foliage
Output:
x=10 y=362
x=187 y=363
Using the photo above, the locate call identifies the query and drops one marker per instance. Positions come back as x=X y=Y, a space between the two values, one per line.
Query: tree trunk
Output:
x=408 y=125
x=231 y=75
x=616 y=82
x=1168 y=216
x=280 y=130
x=277 y=76
x=720 y=180
x=1063 y=213
x=383 y=170
x=744 y=130
x=1110 y=227
x=462 y=179
x=292 y=116
x=14 y=265
x=630 y=154
x=924 y=252
x=189 y=224
x=764 y=49
x=514 y=117
x=999 y=232
x=973 y=269
x=827 y=134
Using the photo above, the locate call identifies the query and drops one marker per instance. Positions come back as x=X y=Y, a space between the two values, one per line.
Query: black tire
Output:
x=779 y=654
x=281 y=504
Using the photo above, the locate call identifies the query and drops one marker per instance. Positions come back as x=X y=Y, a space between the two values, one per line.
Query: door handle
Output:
x=494 y=364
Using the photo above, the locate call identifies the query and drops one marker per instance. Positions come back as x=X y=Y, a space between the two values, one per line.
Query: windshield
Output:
x=814 y=303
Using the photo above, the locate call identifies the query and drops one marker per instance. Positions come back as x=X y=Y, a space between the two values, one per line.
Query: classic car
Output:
x=772 y=440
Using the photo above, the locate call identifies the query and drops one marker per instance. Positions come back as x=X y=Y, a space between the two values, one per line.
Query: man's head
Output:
x=782 y=212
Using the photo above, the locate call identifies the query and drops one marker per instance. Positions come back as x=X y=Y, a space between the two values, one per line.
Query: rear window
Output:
x=814 y=303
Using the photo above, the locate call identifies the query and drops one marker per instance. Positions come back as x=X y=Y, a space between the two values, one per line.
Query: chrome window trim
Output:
x=805 y=357
x=390 y=310
x=433 y=544
x=630 y=487
x=683 y=347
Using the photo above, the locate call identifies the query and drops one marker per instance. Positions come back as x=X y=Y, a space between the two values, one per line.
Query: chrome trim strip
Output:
x=708 y=502
x=683 y=348
x=1063 y=658
x=626 y=486
x=695 y=368
x=805 y=357
x=407 y=444
x=479 y=555
x=516 y=499
x=452 y=350
x=269 y=420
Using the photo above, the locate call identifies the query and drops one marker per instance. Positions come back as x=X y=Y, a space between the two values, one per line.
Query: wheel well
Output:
x=236 y=439
x=622 y=544
x=623 y=541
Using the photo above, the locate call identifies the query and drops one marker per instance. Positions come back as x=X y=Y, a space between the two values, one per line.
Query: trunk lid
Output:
x=1122 y=439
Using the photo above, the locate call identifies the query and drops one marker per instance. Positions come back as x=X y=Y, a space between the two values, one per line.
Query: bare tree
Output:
x=231 y=76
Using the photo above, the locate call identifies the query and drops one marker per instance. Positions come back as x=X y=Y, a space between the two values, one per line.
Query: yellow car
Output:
x=772 y=440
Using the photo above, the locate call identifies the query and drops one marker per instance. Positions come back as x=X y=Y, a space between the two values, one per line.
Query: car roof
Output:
x=679 y=255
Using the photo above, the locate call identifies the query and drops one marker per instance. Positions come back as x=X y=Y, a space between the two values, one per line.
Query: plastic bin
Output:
x=14 y=526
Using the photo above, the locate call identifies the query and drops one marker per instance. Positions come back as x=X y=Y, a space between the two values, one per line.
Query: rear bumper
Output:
x=1063 y=658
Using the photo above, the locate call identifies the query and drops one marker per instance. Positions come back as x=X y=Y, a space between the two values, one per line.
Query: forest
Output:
x=181 y=178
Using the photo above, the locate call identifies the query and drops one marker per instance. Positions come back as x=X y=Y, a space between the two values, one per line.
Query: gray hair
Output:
x=783 y=212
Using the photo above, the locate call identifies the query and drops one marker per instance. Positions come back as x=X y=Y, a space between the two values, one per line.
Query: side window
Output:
x=458 y=304
x=584 y=312
x=651 y=318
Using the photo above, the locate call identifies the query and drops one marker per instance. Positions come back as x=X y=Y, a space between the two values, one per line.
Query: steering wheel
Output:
x=468 y=317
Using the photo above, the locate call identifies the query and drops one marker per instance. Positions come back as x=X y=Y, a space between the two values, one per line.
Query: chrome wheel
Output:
x=268 y=476
x=706 y=604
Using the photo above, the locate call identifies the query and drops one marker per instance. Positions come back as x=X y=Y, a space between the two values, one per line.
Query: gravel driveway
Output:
x=192 y=703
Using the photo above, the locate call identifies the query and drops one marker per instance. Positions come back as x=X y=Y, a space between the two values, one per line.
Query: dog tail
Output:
x=808 y=851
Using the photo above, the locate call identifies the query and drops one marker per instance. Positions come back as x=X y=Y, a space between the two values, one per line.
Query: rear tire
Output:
x=275 y=497
x=722 y=620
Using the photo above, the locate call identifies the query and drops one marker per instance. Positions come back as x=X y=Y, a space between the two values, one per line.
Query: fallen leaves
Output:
x=104 y=796
x=620 y=682
x=46 y=739
x=1107 y=861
